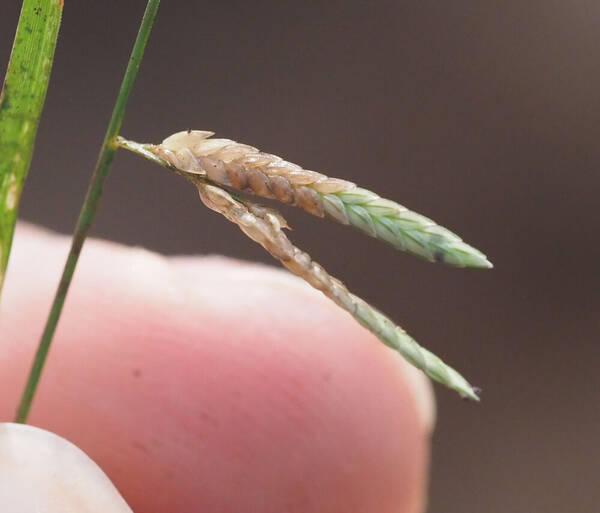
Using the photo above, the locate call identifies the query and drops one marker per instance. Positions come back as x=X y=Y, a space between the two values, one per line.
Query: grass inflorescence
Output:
x=217 y=166
x=248 y=169
x=265 y=227
x=402 y=228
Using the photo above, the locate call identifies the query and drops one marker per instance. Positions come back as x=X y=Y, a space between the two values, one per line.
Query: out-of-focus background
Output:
x=484 y=116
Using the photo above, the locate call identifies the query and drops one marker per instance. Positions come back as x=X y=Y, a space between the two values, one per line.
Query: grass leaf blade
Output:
x=21 y=103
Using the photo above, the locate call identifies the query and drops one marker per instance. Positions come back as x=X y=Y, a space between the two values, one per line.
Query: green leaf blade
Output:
x=21 y=103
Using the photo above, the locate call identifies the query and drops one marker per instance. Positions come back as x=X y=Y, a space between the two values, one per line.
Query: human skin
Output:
x=204 y=384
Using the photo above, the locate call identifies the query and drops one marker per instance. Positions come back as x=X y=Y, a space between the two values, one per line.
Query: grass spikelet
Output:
x=403 y=229
x=247 y=169
x=265 y=226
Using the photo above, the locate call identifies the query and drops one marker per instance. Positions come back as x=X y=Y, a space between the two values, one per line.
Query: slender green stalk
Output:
x=90 y=205
x=21 y=103
x=141 y=149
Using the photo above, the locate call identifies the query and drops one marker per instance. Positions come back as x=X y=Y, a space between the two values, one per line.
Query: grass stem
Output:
x=88 y=210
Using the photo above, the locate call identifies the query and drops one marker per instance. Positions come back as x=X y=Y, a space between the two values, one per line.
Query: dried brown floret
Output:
x=243 y=167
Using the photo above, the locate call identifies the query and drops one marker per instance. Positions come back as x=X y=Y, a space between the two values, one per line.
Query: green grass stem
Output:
x=88 y=210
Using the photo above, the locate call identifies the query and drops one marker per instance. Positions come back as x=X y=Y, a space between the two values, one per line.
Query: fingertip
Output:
x=40 y=468
x=187 y=376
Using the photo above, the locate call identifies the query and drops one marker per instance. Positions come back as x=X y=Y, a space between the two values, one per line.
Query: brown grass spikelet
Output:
x=247 y=169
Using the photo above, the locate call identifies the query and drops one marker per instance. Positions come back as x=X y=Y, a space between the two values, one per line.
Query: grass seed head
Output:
x=265 y=226
x=243 y=167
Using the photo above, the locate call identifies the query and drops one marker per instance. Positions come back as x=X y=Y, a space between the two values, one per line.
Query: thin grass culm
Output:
x=265 y=226
x=88 y=209
x=247 y=169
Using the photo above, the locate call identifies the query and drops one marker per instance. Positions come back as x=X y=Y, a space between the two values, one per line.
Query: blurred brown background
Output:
x=482 y=115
